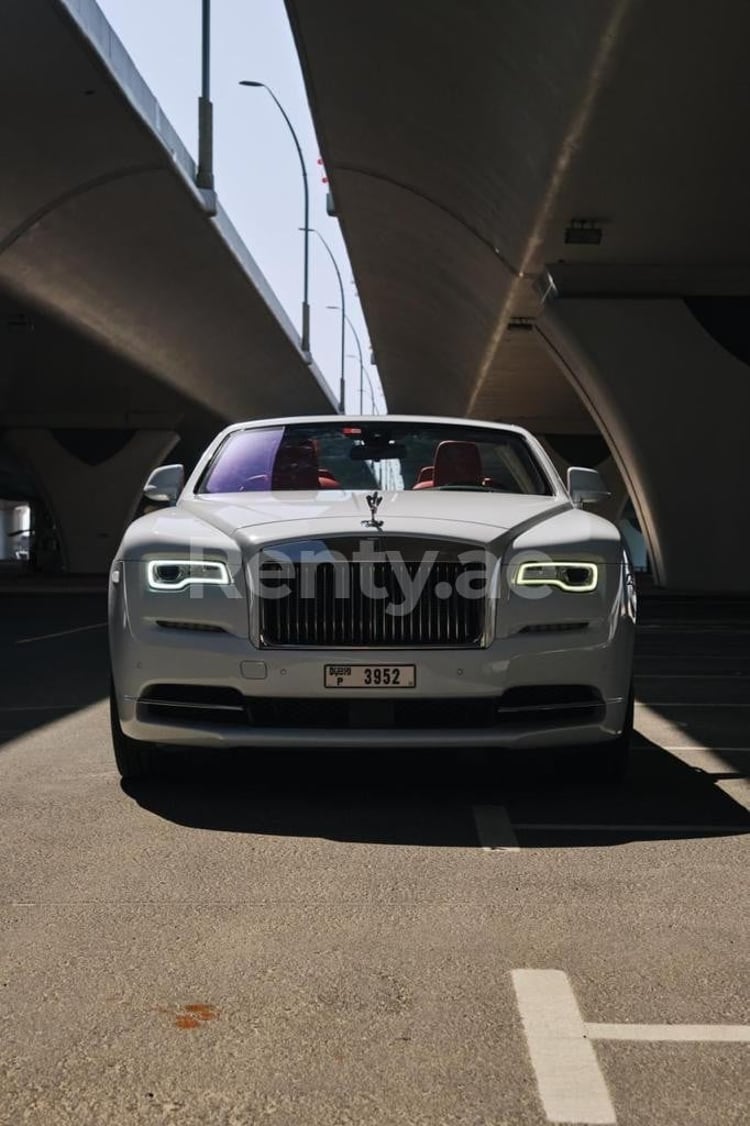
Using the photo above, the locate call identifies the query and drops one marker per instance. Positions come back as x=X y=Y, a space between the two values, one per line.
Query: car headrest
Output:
x=326 y=479
x=296 y=467
x=457 y=463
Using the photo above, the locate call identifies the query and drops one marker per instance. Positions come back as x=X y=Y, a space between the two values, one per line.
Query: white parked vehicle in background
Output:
x=372 y=582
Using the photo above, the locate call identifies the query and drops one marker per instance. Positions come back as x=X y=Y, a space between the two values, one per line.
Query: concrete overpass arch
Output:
x=474 y=149
x=672 y=403
x=132 y=316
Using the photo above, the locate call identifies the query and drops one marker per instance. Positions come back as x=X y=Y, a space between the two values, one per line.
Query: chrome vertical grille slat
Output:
x=340 y=614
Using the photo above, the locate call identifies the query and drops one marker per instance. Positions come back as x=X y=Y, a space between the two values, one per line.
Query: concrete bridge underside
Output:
x=545 y=207
x=131 y=318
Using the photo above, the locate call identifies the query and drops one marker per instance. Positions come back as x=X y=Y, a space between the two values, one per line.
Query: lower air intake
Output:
x=193 y=704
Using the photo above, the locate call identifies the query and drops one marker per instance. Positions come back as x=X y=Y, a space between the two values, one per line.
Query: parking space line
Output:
x=673 y=747
x=690 y=1033
x=61 y=633
x=494 y=829
x=704 y=704
x=732 y=663
x=697 y=747
x=571 y=1085
x=717 y=628
x=666 y=729
x=731 y=676
x=698 y=755
x=570 y=1082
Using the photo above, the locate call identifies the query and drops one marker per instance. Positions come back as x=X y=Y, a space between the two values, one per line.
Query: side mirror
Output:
x=165 y=484
x=586 y=486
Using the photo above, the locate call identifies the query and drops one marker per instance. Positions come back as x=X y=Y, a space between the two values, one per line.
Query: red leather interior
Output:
x=326 y=480
x=424 y=478
x=296 y=467
x=457 y=463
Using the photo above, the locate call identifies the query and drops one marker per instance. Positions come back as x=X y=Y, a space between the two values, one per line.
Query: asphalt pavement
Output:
x=321 y=939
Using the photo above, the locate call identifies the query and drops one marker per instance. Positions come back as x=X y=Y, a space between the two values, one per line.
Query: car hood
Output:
x=258 y=518
x=248 y=522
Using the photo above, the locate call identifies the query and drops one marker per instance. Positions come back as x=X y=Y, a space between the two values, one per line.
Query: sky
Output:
x=258 y=177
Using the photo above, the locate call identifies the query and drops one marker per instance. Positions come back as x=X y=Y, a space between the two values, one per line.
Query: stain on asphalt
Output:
x=192 y=1016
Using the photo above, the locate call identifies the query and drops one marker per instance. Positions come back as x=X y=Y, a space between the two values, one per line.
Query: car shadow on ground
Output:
x=54 y=659
x=418 y=798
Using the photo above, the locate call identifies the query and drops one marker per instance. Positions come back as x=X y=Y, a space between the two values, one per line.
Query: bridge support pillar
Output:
x=91 y=481
x=673 y=405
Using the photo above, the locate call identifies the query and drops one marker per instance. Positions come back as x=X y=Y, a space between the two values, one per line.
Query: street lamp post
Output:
x=369 y=383
x=342 y=380
x=347 y=318
x=204 y=176
x=305 y=334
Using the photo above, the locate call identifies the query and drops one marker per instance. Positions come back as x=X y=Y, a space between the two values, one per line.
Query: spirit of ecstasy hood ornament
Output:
x=374 y=501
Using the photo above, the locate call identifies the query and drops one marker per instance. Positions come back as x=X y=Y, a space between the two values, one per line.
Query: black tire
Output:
x=608 y=762
x=134 y=758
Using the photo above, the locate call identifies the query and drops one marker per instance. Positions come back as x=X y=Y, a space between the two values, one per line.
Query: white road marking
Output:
x=665 y=623
x=494 y=829
x=571 y=1085
x=688 y=704
x=563 y=827
x=661 y=730
x=694 y=747
x=61 y=633
x=570 y=1081
x=655 y=727
x=697 y=754
x=733 y=662
x=721 y=628
x=731 y=676
x=738 y=789
x=695 y=1033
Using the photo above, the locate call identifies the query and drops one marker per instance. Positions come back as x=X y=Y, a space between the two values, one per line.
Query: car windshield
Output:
x=363 y=455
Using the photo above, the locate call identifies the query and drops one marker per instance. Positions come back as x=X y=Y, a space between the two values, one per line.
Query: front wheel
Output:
x=134 y=758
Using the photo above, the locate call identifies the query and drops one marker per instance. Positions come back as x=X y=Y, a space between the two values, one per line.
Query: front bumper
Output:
x=599 y=658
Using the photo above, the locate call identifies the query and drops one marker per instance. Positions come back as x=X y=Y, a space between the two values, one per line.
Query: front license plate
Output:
x=370 y=676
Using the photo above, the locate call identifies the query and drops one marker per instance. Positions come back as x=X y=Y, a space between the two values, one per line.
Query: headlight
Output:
x=579 y=578
x=176 y=574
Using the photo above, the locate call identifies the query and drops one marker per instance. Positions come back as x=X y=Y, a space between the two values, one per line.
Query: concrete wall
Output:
x=673 y=405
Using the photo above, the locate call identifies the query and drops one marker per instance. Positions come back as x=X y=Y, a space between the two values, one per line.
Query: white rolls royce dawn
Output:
x=369 y=582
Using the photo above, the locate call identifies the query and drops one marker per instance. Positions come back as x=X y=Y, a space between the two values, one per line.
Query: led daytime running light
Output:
x=177 y=574
x=557 y=574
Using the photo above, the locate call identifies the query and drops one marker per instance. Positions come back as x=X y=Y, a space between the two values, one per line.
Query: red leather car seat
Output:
x=424 y=477
x=457 y=463
x=296 y=467
x=326 y=479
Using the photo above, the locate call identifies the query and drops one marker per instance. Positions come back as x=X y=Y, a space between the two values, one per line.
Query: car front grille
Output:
x=330 y=604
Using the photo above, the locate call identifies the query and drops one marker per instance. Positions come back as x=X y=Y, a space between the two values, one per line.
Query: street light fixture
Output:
x=347 y=318
x=342 y=380
x=305 y=334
